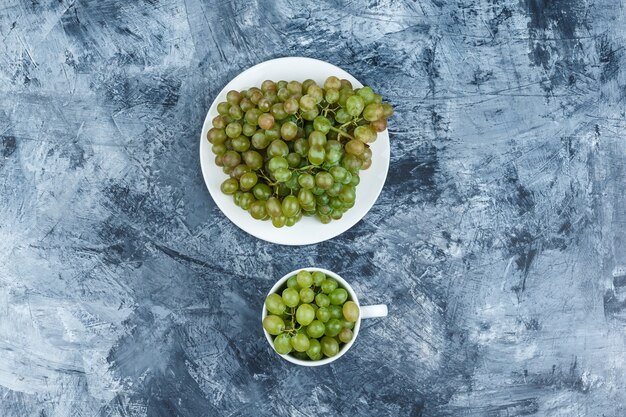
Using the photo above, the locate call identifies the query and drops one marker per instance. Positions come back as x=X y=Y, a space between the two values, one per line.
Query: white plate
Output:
x=309 y=230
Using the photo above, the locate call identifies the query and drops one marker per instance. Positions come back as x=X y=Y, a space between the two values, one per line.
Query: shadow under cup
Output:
x=379 y=310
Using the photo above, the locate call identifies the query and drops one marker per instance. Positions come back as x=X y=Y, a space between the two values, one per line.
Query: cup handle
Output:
x=378 y=310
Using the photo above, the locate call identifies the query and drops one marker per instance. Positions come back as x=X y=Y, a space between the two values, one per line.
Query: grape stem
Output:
x=341 y=132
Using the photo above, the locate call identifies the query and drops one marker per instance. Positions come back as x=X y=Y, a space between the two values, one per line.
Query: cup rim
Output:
x=355 y=330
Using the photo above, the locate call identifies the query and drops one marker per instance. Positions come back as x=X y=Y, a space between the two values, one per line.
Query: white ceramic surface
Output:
x=308 y=230
x=378 y=310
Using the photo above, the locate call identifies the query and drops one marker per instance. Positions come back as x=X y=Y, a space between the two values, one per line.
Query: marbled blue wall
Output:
x=499 y=241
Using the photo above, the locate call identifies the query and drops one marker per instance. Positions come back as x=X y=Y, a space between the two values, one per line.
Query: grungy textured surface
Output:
x=499 y=240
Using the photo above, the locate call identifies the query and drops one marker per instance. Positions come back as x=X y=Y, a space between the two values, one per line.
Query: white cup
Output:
x=366 y=312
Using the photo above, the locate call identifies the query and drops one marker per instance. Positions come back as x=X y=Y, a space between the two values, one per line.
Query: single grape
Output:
x=257 y=210
x=379 y=125
x=290 y=206
x=273 y=207
x=316 y=154
x=294 y=159
x=246 y=200
x=318 y=277
x=233 y=97
x=233 y=129
x=306 y=198
x=323 y=314
x=329 y=345
x=350 y=311
x=301 y=146
x=276 y=163
x=305 y=279
x=231 y=159
x=278 y=111
x=324 y=180
x=230 y=186
x=307 y=103
x=305 y=314
x=274 y=304
x=277 y=148
x=332 y=327
x=331 y=96
x=345 y=335
x=316 y=329
x=273 y=133
x=316 y=92
x=294 y=87
x=300 y=342
x=289 y=131
x=332 y=82
x=322 y=300
x=265 y=104
x=268 y=85
x=291 y=298
x=314 y=352
x=355 y=105
x=222 y=108
x=266 y=121
x=274 y=325
x=367 y=94
x=387 y=110
x=248 y=180
x=335 y=311
x=342 y=116
x=282 y=343
x=292 y=282
x=347 y=194
x=317 y=138
x=279 y=221
x=307 y=295
x=328 y=285
x=338 y=296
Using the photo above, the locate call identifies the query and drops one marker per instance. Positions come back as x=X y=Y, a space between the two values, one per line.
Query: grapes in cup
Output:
x=312 y=316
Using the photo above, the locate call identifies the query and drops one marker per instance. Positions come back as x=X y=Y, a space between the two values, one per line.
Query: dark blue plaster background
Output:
x=499 y=240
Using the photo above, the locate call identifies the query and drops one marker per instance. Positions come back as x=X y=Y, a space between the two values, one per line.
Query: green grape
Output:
x=336 y=215
x=322 y=300
x=334 y=190
x=314 y=352
x=291 y=106
x=316 y=155
x=338 y=296
x=261 y=191
x=355 y=147
x=301 y=147
x=216 y=136
x=354 y=181
x=253 y=159
x=306 y=198
x=292 y=282
x=367 y=94
x=323 y=314
x=246 y=200
x=305 y=279
x=282 y=174
x=350 y=311
x=335 y=311
x=305 y=314
x=274 y=325
x=276 y=163
x=219 y=122
x=257 y=210
x=379 y=125
x=322 y=200
x=283 y=94
x=318 y=278
x=316 y=92
x=291 y=298
x=277 y=148
x=307 y=102
x=332 y=82
x=282 y=343
x=307 y=295
x=222 y=108
x=351 y=163
x=324 y=180
x=328 y=285
x=317 y=138
x=316 y=329
x=355 y=105
x=345 y=335
x=259 y=140
x=290 y=206
x=330 y=346
x=310 y=114
x=291 y=221
x=332 y=95
x=265 y=104
x=233 y=129
x=273 y=207
x=294 y=159
x=233 y=97
x=266 y=121
x=274 y=304
x=230 y=186
x=235 y=112
x=231 y=159
x=252 y=116
x=387 y=110
x=239 y=170
x=289 y=130
x=240 y=143
x=294 y=87
x=322 y=124
x=278 y=111
x=268 y=85
x=365 y=134
x=248 y=180
x=332 y=327
x=279 y=221
x=237 y=198
x=272 y=134
x=300 y=342
x=347 y=194
x=306 y=181
x=342 y=116
x=347 y=324
x=373 y=111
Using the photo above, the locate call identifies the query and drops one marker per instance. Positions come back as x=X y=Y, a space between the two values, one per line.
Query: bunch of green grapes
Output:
x=311 y=318
x=293 y=149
